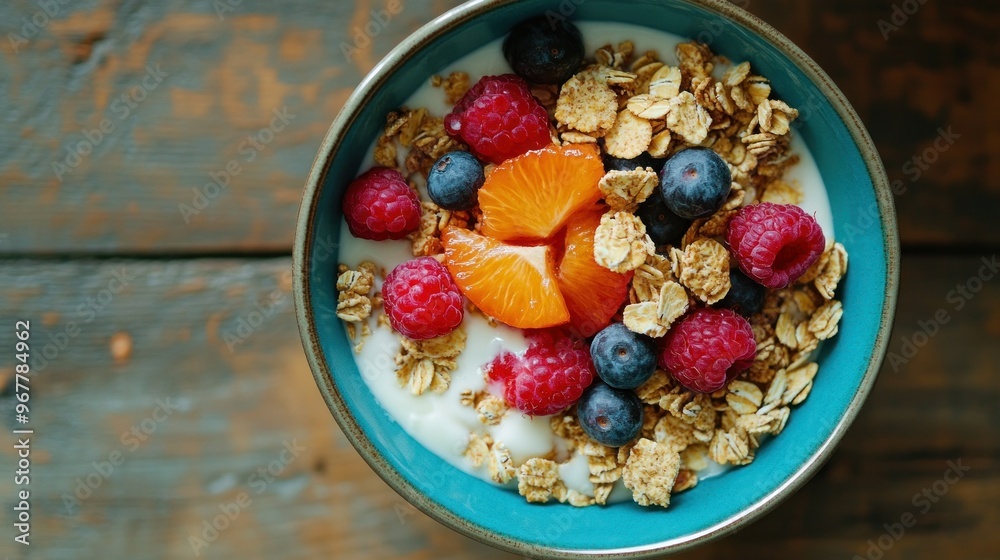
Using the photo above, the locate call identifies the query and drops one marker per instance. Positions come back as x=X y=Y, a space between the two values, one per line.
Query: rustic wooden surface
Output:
x=162 y=336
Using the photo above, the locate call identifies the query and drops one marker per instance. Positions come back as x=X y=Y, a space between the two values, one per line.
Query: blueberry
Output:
x=695 y=183
x=612 y=163
x=622 y=358
x=745 y=296
x=611 y=416
x=454 y=181
x=543 y=51
x=663 y=226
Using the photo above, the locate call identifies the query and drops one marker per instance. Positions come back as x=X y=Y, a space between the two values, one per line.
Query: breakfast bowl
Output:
x=860 y=212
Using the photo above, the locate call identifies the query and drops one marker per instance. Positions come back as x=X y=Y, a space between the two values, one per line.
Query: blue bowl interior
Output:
x=714 y=501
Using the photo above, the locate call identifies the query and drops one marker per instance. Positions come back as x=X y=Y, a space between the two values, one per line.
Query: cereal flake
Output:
x=538 y=479
x=587 y=104
x=780 y=192
x=830 y=269
x=625 y=190
x=621 y=243
x=824 y=323
x=705 y=270
x=500 y=464
x=491 y=409
x=689 y=120
x=650 y=472
x=629 y=137
x=427 y=364
x=478 y=449
x=353 y=303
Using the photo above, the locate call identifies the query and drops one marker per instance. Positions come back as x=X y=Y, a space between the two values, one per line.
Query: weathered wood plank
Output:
x=218 y=78
x=236 y=410
x=226 y=74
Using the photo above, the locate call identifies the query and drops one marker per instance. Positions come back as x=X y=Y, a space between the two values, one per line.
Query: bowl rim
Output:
x=335 y=403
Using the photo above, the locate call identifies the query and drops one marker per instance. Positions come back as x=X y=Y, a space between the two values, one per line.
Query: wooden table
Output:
x=155 y=421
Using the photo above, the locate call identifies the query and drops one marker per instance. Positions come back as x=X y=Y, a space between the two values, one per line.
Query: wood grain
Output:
x=236 y=410
x=227 y=75
x=228 y=72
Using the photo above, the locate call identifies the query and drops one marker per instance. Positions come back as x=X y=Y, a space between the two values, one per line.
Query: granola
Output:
x=621 y=243
x=423 y=365
x=587 y=103
x=538 y=479
x=629 y=137
x=705 y=270
x=625 y=190
x=628 y=103
x=650 y=472
x=354 y=286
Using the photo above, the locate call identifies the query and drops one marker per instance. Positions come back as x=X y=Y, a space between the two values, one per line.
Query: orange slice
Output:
x=528 y=198
x=593 y=293
x=513 y=284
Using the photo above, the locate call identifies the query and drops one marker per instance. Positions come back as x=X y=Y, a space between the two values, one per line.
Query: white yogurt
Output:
x=440 y=422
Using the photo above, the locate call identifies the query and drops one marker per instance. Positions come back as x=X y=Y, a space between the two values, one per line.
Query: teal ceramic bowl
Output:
x=857 y=186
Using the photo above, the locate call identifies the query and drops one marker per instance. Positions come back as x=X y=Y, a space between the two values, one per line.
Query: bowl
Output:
x=857 y=188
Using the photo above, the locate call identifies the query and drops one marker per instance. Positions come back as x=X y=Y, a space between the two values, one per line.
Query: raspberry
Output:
x=421 y=299
x=548 y=377
x=380 y=205
x=708 y=348
x=499 y=119
x=775 y=243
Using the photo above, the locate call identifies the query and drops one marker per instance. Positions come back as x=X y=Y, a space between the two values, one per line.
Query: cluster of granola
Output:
x=420 y=135
x=355 y=301
x=427 y=364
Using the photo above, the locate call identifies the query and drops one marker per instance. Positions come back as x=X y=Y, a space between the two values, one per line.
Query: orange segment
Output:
x=514 y=285
x=528 y=198
x=592 y=293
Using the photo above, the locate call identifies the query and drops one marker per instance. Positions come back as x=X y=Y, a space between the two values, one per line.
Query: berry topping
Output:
x=499 y=119
x=548 y=377
x=454 y=181
x=695 y=183
x=544 y=51
x=775 y=243
x=421 y=300
x=593 y=293
x=611 y=416
x=745 y=296
x=514 y=285
x=663 y=226
x=708 y=348
x=622 y=358
x=380 y=205
x=612 y=163
x=529 y=197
